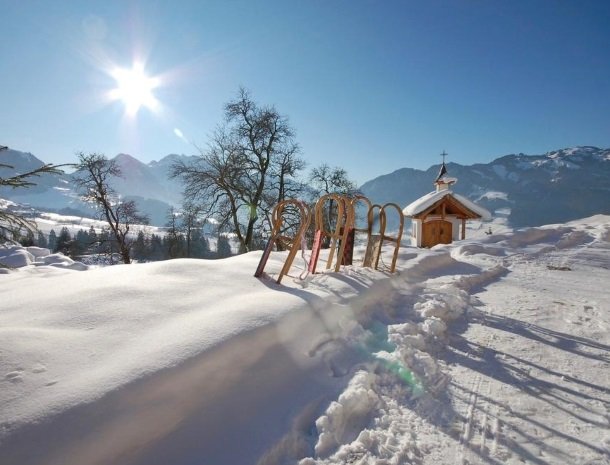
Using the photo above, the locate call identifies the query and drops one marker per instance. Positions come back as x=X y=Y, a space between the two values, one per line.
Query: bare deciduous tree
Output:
x=246 y=169
x=190 y=223
x=93 y=178
x=172 y=234
x=326 y=180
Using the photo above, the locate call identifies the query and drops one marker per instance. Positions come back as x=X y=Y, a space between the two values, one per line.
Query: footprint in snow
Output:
x=588 y=308
x=14 y=376
x=39 y=368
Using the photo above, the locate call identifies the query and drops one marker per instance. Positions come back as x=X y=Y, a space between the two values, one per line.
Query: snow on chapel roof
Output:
x=431 y=198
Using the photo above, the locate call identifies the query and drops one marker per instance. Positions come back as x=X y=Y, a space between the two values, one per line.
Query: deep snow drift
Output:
x=494 y=350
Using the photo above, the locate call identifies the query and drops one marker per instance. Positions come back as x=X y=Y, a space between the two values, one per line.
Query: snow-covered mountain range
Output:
x=529 y=190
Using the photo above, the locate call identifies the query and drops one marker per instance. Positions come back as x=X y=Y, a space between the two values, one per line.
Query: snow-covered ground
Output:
x=491 y=350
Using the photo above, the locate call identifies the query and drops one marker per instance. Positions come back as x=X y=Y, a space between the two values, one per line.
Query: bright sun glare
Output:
x=134 y=89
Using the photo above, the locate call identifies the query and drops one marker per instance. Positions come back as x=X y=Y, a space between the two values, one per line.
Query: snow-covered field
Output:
x=494 y=351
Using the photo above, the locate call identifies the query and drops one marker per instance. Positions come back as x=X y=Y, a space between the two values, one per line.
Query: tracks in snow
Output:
x=480 y=434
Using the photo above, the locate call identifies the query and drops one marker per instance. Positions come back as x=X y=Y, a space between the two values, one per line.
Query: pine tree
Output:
x=199 y=247
x=93 y=239
x=41 y=240
x=52 y=243
x=157 y=252
x=139 y=247
x=79 y=244
x=223 y=247
x=27 y=239
x=63 y=241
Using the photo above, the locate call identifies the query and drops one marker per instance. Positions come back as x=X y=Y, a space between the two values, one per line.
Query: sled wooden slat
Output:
x=263 y=261
x=348 y=254
x=315 y=251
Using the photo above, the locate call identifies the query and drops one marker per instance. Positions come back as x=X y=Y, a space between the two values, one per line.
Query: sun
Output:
x=134 y=89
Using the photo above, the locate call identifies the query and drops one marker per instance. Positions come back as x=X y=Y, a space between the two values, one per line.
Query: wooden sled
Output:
x=338 y=237
x=375 y=244
x=293 y=244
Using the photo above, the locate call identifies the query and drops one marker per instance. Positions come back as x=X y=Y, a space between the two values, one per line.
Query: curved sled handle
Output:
x=395 y=239
x=277 y=218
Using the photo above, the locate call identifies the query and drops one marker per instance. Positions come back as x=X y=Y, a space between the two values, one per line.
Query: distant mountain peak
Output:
x=169 y=160
x=126 y=159
x=20 y=161
x=580 y=152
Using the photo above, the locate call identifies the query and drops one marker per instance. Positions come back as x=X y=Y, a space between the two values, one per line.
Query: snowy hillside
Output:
x=529 y=190
x=493 y=350
x=149 y=185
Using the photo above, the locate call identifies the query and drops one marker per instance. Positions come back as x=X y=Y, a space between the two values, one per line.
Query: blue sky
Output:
x=372 y=86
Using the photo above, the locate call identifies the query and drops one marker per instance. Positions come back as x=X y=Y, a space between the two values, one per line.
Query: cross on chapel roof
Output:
x=443 y=170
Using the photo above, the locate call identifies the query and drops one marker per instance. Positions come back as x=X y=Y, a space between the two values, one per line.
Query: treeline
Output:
x=146 y=247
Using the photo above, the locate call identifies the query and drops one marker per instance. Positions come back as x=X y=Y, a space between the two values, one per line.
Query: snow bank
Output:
x=446 y=306
x=16 y=256
x=345 y=418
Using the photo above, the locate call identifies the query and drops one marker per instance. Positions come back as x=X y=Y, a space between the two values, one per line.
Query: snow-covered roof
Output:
x=431 y=198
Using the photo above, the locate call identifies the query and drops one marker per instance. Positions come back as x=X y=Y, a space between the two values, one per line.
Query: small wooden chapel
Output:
x=439 y=217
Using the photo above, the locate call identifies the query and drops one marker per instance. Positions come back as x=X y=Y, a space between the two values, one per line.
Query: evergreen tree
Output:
x=93 y=240
x=223 y=247
x=199 y=246
x=41 y=240
x=26 y=238
x=181 y=246
x=79 y=244
x=157 y=251
x=52 y=243
x=106 y=244
x=63 y=241
x=139 y=249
